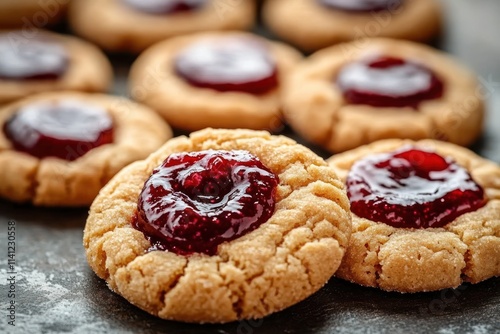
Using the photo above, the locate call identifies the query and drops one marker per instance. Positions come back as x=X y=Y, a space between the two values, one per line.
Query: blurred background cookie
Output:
x=134 y=25
x=38 y=61
x=218 y=79
x=359 y=92
x=31 y=13
x=59 y=149
x=315 y=24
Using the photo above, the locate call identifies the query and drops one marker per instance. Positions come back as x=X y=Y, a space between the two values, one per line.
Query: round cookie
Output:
x=318 y=108
x=75 y=179
x=65 y=63
x=311 y=25
x=155 y=81
x=31 y=13
x=116 y=25
x=412 y=259
x=284 y=260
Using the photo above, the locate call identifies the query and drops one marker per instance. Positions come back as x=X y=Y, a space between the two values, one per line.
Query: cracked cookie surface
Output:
x=138 y=131
x=154 y=82
x=409 y=260
x=316 y=108
x=282 y=262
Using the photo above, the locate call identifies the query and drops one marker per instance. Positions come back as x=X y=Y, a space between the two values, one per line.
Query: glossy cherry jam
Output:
x=412 y=188
x=362 y=5
x=65 y=129
x=195 y=201
x=388 y=82
x=228 y=64
x=165 y=6
x=31 y=59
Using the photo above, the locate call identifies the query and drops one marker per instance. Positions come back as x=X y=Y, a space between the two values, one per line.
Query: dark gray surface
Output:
x=58 y=293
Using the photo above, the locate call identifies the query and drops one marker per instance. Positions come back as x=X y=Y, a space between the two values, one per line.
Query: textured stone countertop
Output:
x=56 y=292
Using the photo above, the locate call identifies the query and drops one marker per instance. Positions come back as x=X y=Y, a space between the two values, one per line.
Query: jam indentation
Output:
x=362 y=5
x=228 y=64
x=195 y=201
x=165 y=6
x=65 y=129
x=37 y=58
x=388 y=82
x=412 y=188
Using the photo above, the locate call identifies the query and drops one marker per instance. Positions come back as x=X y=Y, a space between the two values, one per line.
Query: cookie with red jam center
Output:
x=205 y=226
x=425 y=215
x=139 y=24
x=39 y=61
x=215 y=79
x=312 y=25
x=356 y=93
x=59 y=149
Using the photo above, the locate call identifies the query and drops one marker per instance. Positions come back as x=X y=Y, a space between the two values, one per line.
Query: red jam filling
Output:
x=388 y=82
x=66 y=129
x=362 y=5
x=31 y=59
x=411 y=188
x=195 y=201
x=242 y=65
x=165 y=6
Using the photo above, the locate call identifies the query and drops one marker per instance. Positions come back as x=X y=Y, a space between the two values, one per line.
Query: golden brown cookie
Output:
x=155 y=80
x=316 y=24
x=336 y=97
x=37 y=165
x=281 y=262
x=467 y=249
x=29 y=14
x=38 y=61
x=134 y=25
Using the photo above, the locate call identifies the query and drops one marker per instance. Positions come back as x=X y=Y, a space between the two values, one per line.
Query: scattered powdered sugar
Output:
x=474 y=329
x=35 y=280
x=60 y=309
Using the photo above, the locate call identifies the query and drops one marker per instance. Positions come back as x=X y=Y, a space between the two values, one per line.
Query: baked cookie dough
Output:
x=31 y=13
x=411 y=260
x=313 y=24
x=444 y=100
x=75 y=179
x=39 y=61
x=156 y=82
x=132 y=25
x=284 y=260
